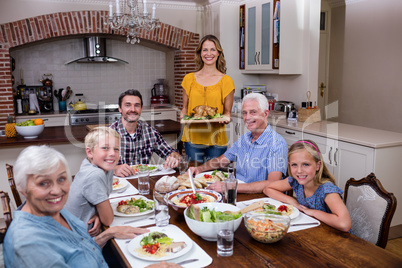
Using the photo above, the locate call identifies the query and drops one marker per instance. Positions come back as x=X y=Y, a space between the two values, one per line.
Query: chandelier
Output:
x=128 y=17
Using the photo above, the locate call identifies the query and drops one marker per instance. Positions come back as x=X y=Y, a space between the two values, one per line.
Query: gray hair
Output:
x=259 y=98
x=35 y=160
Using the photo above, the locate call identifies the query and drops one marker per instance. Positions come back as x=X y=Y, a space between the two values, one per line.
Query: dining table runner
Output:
x=305 y=220
x=196 y=252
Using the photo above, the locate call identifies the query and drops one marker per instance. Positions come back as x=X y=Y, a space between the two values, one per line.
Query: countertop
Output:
x=369 y=137
x=72 y=134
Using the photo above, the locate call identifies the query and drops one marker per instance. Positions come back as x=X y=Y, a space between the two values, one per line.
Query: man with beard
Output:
x=138 y=139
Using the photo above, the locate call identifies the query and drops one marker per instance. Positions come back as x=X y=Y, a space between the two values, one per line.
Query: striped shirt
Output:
x=138 y=148
x=255 y=160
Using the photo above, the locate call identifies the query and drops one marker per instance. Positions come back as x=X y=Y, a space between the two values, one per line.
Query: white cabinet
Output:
x=50 y=121
x=344 y=160
x=259 y=37
x=235 y=129
x=159 y=115
x=290 y=136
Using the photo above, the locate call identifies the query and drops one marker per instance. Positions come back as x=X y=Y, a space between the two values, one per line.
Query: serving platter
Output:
x=116 y=201
x=215 y=120
x=177 y=236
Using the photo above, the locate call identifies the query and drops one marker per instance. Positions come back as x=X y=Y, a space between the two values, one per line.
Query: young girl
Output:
x=314 y=186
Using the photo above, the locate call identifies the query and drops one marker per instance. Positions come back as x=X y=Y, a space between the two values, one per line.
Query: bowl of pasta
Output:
x=179 y=200
x=266 y=228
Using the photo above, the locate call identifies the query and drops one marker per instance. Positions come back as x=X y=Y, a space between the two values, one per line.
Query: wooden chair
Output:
x=371 y=209
x=11 y=181
x=5 y=202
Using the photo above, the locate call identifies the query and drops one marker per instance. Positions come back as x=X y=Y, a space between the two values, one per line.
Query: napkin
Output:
x=196 y=252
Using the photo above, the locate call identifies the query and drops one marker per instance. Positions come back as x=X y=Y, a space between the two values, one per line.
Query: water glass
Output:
x=183 y=165
x=230 y=190
x=161 y=210
x=143 y=181
x=225 y=234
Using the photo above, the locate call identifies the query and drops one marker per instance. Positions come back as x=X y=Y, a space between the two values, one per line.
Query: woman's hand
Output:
x=229 y=115
x=183 y=112
x=127 y=232
x=96 y=229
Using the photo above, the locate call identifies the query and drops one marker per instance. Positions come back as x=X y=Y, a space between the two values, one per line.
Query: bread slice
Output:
x=175 y=247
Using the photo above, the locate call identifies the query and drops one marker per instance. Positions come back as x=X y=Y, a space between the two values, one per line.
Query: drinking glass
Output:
x=225 y=234
x=230 y=190
x=143 y=181
x=161 y=210
x=183 y=165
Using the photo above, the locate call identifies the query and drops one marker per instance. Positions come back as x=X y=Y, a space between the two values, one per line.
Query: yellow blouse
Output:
x=213 y=96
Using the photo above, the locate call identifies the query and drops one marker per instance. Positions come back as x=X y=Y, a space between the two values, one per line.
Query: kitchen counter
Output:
x=369 y=137
x=74 y=134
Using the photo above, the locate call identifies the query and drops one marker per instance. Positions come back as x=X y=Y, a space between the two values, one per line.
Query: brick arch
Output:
x=64 y=24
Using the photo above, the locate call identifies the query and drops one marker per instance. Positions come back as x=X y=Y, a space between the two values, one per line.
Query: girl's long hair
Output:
x=220 y=63
x=322 y=175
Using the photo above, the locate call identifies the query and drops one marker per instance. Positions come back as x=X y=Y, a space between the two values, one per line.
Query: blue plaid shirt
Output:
x=254 y=161
x=138 y=149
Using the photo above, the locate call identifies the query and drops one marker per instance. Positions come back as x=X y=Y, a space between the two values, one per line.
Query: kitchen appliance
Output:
x=159 y=94
x=284 y=106
x=105 y=114
x=247 y=89
x=79 y=102
x=44 y=96
x=95 y=52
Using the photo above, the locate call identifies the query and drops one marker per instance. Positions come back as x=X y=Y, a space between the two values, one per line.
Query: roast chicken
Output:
x=203 y=111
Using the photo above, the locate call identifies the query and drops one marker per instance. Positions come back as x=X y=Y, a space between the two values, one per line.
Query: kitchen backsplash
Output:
x=99 y=82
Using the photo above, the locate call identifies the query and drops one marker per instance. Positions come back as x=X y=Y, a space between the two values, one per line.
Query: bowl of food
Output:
x=28 y=129
x=266 y=228
x=201 y=218
x=179 y=200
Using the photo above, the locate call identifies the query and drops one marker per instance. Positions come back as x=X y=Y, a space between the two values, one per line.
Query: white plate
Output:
x=116 y=201
x=295 y=212
x=176 y=236
x=122 y=184
x=158 y=167
x=202 y=175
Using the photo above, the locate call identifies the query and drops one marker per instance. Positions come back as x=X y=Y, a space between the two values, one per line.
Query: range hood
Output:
x=95 y=51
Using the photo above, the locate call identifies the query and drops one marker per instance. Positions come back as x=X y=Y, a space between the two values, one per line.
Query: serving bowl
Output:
x=266 y=228
x=174 y=195
x=30 y=132
x=208 y=230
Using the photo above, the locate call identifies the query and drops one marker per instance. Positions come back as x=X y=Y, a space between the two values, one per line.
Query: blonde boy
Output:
x=92 y=185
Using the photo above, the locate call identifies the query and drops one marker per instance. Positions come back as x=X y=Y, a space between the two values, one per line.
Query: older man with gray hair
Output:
x=260 y=154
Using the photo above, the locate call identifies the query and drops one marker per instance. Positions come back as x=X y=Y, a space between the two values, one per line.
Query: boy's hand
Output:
x=123 y=170
x=96 y=229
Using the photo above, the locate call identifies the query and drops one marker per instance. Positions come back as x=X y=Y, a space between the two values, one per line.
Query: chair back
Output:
x=371 y=209
x=13 y=187
x=5 y=202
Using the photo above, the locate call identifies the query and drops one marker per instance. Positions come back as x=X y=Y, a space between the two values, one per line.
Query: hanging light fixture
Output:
x=128 y=17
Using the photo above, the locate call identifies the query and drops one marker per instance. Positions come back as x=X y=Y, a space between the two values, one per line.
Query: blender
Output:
x=159 y=94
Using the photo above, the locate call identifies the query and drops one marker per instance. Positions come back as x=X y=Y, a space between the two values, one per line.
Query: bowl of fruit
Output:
x=30 y=129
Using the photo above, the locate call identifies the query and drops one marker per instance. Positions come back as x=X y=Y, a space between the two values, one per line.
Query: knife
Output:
x=302 y=224
x=187 y=261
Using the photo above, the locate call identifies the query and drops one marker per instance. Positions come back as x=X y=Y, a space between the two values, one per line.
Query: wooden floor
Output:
x=395 y=240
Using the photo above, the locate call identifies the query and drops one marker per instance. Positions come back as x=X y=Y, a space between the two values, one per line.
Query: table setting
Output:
x=126 y=189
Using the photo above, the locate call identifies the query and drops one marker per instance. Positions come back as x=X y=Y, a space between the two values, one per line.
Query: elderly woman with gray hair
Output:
x=42 y=232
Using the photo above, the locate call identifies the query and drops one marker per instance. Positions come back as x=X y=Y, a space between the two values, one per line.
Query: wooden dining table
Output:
x=321 y=246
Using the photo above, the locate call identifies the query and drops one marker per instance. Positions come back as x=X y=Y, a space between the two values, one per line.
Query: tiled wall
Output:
x=99 y=82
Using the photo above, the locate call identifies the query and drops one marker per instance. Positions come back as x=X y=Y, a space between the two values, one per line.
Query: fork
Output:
x=122 y=191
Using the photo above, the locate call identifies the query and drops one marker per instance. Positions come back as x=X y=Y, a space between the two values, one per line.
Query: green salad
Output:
x=207 y=215
x=141 y=204
x=155 y=237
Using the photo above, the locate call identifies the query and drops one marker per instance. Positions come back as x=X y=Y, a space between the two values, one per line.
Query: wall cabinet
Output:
x=259 y=24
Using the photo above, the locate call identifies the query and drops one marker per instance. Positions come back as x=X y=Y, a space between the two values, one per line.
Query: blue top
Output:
x=91 y=186
x=254 y=161
x=33 y=241
x=316 y=201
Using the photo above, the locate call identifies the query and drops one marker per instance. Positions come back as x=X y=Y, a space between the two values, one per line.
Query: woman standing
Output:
x=209 y=86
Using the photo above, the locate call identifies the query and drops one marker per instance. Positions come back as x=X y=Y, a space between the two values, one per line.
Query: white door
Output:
x=323 y=64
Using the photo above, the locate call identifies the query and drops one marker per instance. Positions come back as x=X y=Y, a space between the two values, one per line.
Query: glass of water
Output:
x=183 y=165
x=225 y=234
x=161 y=210
x=143 y=181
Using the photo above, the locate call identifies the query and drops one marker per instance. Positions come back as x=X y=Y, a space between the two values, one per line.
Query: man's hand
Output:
x=217 y=187
x=172 y=160
x=123 y=170
x=96 y=229
x=195 y=170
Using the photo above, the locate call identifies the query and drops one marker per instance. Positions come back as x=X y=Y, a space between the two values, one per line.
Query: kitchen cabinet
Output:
x=290 y=135
x=159 y=114
x=54 y=120
x=259 y=37
x=235 y=129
